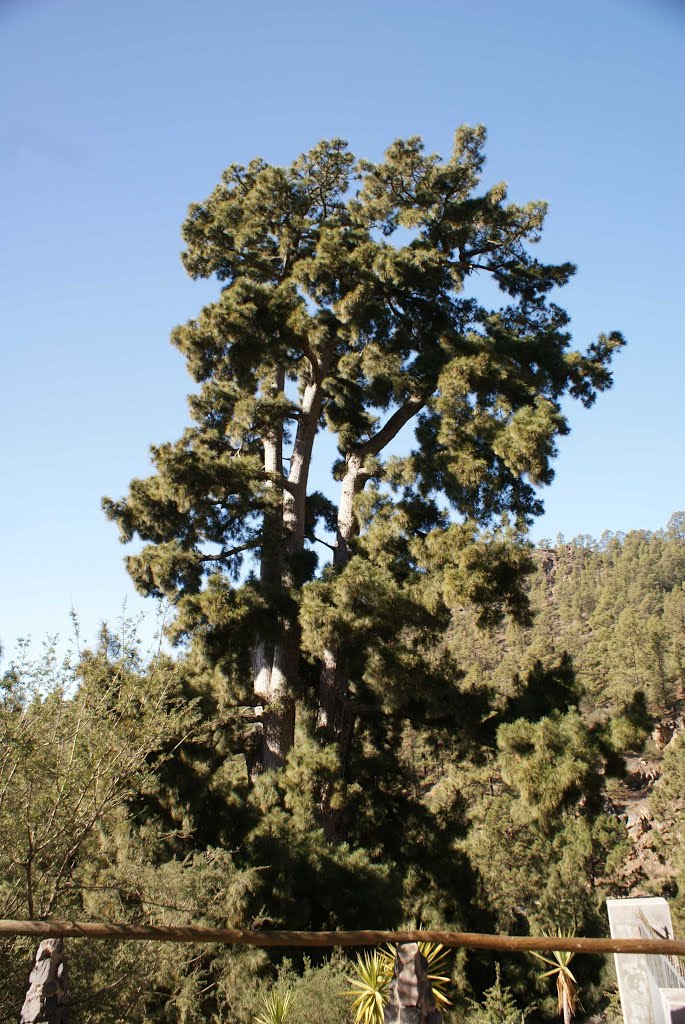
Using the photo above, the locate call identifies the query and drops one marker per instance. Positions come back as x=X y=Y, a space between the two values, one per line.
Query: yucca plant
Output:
x=372 y=973
x=437 y=957
x=275 y=1007
x=568 y=999
x=371 y=978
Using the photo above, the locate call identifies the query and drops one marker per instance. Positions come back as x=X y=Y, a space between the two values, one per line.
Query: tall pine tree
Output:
x=350 y=301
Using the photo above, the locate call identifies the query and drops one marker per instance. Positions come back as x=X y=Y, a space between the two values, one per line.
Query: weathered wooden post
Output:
x=48 y=995
x=410 y=1000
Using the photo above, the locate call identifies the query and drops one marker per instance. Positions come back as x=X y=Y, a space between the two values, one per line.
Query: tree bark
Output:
x=410 y=994
x=276 y=666
x=335 y=716
x=262 y=654
x=269 y=751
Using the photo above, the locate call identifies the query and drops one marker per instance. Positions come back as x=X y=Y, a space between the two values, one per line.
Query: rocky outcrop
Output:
x=665 y=730
x=47 y=997
x=648 y=860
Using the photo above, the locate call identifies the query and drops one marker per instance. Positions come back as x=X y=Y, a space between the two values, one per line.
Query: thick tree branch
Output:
x=230 y=552
x=274 y=478
x=313 y=361
x=389 y=430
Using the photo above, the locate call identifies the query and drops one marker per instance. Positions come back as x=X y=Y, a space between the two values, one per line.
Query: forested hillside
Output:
x=125 y=796
x=615 y=605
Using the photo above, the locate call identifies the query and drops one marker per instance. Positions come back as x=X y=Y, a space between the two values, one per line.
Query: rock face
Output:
x=648 y=860
x=47 y=997
x=666 y=729
x=410 y=1000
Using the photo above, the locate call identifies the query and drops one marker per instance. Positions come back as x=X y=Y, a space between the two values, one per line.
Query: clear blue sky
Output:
x=116 y=115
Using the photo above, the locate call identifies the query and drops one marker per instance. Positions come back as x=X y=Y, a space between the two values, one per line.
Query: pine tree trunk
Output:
x=275 y=724
x=337 y=720
x=333 y=684
x=276 y=666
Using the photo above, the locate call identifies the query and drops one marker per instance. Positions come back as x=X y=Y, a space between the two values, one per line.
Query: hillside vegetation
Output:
x=550 y=776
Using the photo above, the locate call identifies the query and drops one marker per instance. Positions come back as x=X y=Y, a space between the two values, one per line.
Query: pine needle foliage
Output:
x=349 y=300
x=498 y=1005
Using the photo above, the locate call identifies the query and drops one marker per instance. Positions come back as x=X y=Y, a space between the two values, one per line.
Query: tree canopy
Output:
x=349 y=301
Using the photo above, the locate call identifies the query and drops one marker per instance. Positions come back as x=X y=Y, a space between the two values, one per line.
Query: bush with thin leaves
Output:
x=372 y=973
x=316 y=989
x=436 y=957
x=568 y=1000
x=371 y=979
x=275 y=1007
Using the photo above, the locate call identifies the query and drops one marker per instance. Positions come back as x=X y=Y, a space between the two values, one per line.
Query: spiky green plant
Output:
x=437 y=958
x=370 y=978
x=568 y=1000
x=372 y=973
x=275 y=1007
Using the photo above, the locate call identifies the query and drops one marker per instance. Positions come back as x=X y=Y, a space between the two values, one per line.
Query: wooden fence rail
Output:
x=236 y=936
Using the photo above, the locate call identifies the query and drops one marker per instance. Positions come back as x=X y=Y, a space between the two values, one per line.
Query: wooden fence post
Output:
x=410 y=1000
x=48 y=995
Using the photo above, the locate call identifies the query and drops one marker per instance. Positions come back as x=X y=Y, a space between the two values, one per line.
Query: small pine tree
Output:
x=498 y=1005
